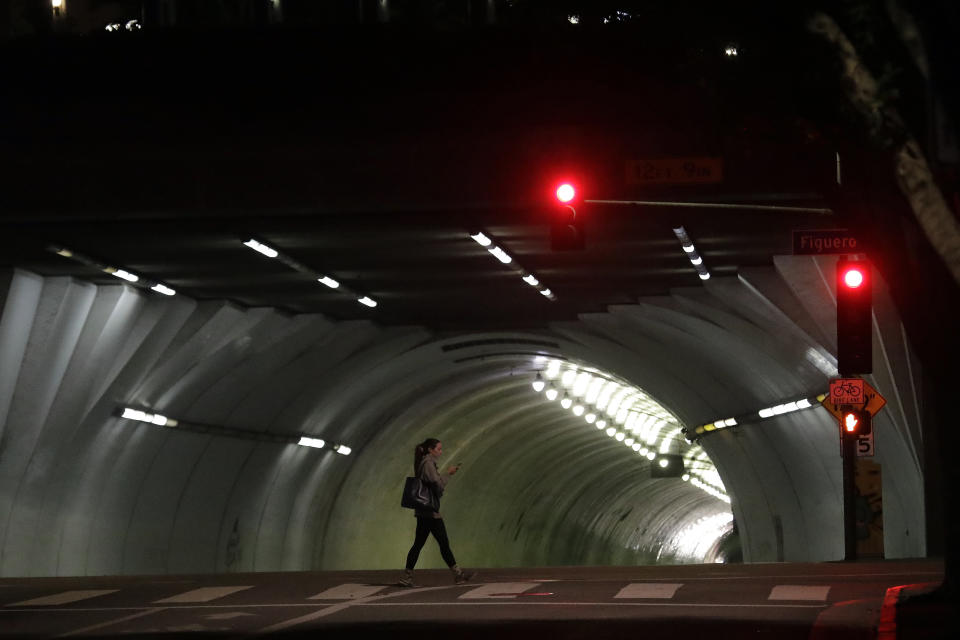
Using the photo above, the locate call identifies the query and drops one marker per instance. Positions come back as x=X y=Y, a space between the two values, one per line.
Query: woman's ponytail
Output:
x=421 y=450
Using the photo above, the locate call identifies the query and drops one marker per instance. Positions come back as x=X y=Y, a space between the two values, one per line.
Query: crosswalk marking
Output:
x=348 y=591
x=491 y=591
x=663 y=590
x=63 y=598
x=798 y=592
x=204 y=594
x=498 y=590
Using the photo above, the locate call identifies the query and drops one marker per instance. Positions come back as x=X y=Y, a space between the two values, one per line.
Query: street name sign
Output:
x=815 y=242
x=699 y=170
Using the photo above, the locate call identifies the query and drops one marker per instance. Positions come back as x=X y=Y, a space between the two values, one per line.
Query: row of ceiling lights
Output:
x=138 y=415
x=116 y=272
x=639 y=421
x=162 y=288
x=691 y=252
x=757 y=416
x=486 y=241
x=268 y=251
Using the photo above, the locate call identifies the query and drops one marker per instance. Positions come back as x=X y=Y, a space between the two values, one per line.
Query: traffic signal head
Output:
x=855 y=423
x=854 y=313
x=566 y=226
x=667 y=465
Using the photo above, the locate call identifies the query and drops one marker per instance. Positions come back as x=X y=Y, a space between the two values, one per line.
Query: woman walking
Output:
x=425 y=458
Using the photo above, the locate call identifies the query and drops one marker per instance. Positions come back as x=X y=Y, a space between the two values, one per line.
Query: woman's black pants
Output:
x=426 y=526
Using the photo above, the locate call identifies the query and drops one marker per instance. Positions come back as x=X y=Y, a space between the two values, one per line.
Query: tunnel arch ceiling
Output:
x=84 y=491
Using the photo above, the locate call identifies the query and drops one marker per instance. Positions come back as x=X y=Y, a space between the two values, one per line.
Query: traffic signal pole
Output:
x=854 y=356
x=848 y=446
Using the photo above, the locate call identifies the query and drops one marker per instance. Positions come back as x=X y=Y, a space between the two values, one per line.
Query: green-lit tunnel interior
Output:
x=542 y=483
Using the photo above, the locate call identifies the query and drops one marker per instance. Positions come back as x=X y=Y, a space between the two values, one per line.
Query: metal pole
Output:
x=849 y=455
x=718 y=205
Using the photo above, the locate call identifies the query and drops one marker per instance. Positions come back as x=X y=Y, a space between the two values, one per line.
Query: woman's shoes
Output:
x=406 y=580
x=460 y=576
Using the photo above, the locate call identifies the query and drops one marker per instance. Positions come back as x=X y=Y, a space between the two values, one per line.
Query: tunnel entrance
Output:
x=563 y=463
x=629 y=416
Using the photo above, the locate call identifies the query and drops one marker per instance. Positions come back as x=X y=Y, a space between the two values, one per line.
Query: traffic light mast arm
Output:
x=716 y=205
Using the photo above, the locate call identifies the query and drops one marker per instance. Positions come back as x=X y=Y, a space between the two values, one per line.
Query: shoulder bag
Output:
x=418 y=495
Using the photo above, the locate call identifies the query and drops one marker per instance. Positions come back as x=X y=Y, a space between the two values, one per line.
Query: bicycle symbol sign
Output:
x=855 y=393
x=847 y=391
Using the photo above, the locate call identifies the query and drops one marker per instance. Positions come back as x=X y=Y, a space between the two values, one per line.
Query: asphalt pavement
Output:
x=783 y=600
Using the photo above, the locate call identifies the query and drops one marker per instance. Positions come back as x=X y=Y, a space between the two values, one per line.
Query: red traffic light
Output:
x=853 y=277
x=854 y=317
x=566 y=193
x=566 y=226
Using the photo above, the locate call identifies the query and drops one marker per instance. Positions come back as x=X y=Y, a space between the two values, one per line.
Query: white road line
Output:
x=63 y=598
x=348 y=592
x=800 y=576
x=204 y=594
x=326 y=611
x=798 y=592
x=554 y=603
x=466 y=603
x=498 y=590
x=663 y=590
x=101 y=625
x=229 y=615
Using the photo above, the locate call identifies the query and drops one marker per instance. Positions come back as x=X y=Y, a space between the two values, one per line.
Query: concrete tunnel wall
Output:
x=85 y=492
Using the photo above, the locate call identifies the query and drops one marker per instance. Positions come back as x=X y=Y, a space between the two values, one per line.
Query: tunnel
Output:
x=142 y=434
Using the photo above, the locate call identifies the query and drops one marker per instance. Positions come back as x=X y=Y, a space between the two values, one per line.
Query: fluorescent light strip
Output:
x=316 y=443
x=138 y=415
x=500 y=254
x=691 y=252
x=481 y=239
x=123 y=275
x=761 y=414
x=326 y=280
x=259 y=247
x=130 y=413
